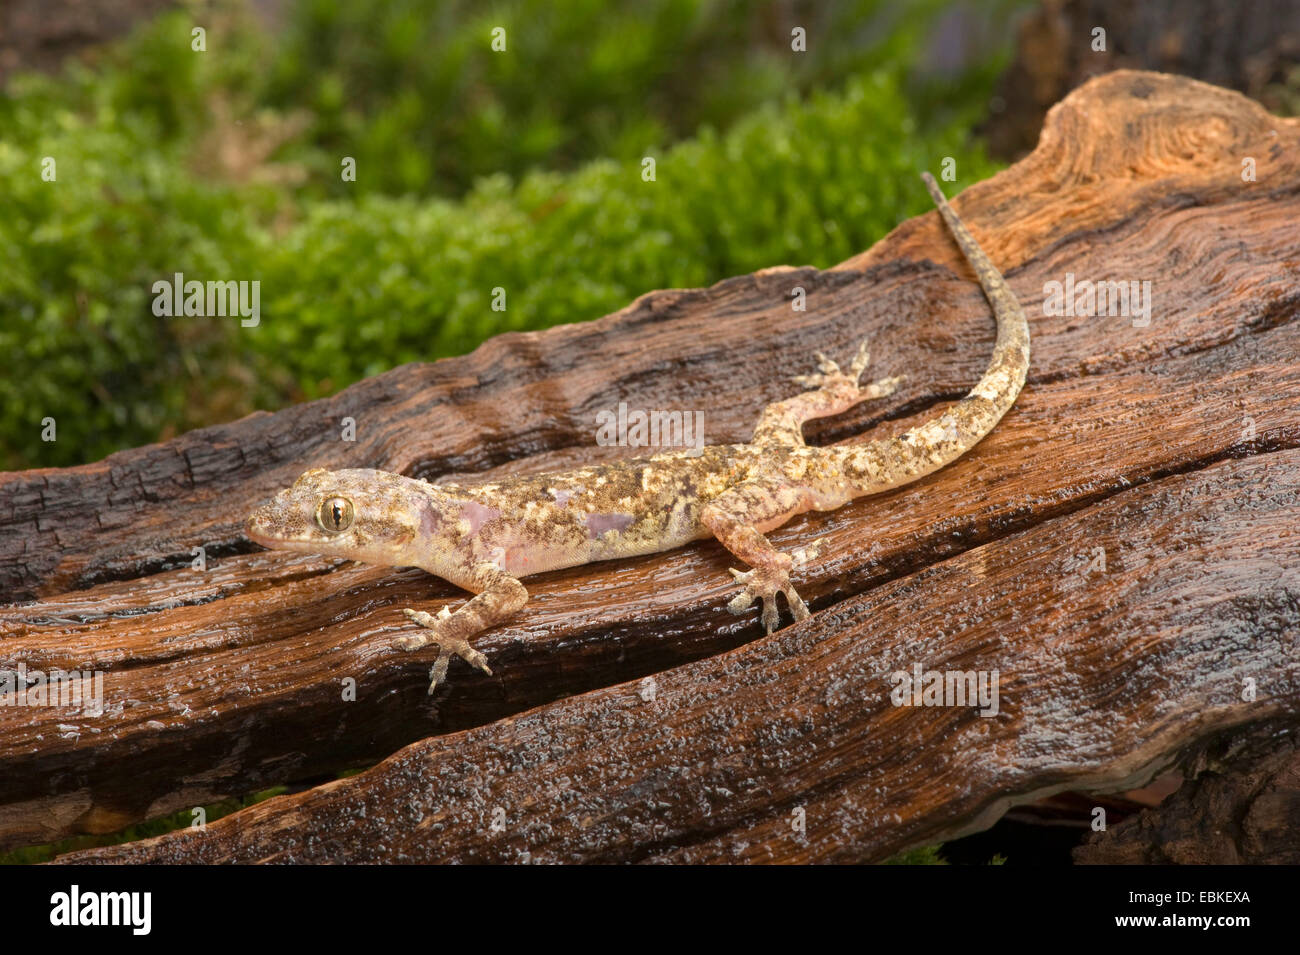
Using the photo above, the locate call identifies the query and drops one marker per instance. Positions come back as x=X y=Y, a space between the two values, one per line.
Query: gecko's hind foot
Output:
x=828 y=375
x=447 y=646
x=764 y=584
x=830 y=378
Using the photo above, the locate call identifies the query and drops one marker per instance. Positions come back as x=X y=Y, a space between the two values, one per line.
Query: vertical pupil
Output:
x=336 y=512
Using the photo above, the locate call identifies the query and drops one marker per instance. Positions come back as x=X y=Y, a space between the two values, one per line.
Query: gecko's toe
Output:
x=428 y=619
x=740 y=603
x=410 y=642
x=860 y=361
x=827 y=366
x=764 y=584
x=420 y=617
x=476 y=659
x=414 y=641
x=830 y=378
x=462 y=649
x=446 y=649
x=884 y=387
x=797 y=606
x=745 y=598
x=438 y=672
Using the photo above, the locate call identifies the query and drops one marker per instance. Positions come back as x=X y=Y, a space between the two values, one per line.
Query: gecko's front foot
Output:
x=446 y=645
x=764 y=583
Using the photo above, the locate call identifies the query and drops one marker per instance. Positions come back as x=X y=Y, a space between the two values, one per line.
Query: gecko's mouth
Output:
x=258 y=528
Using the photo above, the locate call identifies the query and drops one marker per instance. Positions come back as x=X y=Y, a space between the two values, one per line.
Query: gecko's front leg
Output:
x=499 y=597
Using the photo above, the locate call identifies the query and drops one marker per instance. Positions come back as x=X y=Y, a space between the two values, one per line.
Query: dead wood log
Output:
x=714 y=760
x=1127 y=439
x=1241 y=805
x=1247 y=45
x=42 y=34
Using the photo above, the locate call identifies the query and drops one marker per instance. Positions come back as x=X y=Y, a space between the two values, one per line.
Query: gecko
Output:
x=485 y=537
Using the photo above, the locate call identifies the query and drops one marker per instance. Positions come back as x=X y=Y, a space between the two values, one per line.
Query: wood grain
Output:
x=710 y=761
x=225 y=681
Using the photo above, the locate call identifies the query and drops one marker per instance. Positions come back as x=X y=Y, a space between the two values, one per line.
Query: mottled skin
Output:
x=484 y=537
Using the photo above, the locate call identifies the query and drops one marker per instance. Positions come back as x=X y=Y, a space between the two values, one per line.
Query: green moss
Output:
x=77 y=258
x=927 y=855
x=355 y=283
x=359 y=286
x=155 y=827
x=430 y=106
x=931 y=855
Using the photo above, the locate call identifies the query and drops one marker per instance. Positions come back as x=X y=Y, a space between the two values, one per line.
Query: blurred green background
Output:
x=474 y=169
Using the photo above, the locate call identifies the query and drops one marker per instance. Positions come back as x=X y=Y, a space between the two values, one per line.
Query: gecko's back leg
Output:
x=738 y=518
x=832 y=391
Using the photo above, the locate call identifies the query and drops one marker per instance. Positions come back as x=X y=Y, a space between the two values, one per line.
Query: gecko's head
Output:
x=360 y=514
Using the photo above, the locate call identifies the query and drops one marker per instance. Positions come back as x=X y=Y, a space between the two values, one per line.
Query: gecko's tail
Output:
x=958 y=429
x=1012 y=325
x=930 y=446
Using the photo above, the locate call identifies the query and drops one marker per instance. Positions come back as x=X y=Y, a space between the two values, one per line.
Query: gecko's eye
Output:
x=335 y=514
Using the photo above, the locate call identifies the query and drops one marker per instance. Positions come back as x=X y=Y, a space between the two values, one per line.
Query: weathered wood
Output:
x=1241 y=807
x=226 y=681
x=1246 y=45
x=42 y=34
x=711 y=769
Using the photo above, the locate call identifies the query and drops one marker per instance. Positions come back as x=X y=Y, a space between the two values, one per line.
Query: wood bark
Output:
x=1120 y=549
x=1241 y=807
x=1252 y=46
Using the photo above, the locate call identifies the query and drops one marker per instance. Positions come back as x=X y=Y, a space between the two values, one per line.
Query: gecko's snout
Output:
x=289 y=520
x=257 y=527
x=270 y=524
